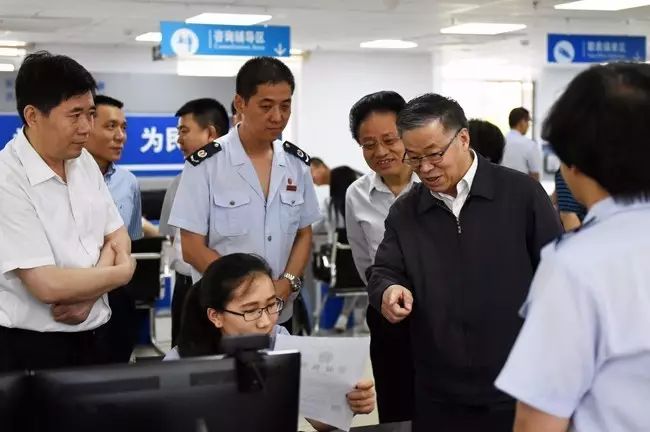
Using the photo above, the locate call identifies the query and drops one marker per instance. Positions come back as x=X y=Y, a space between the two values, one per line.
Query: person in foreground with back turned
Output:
x=582 y=359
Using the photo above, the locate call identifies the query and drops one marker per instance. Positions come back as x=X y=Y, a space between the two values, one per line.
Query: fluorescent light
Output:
x=388 y=44
x=296 y=51
x=482 y=28
x=12 y=43
x=230 y=19
x=12 y=52
x=149 y=37
x=602 y=5
x=7 y=67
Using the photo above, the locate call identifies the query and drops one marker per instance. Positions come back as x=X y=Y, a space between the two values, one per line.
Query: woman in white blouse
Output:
x=373 y=125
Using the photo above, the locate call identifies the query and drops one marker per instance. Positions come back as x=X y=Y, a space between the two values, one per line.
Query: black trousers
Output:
x=447 y=417
x=123 y=325
x=181 y=288
x=392 y=366
x=31 y=350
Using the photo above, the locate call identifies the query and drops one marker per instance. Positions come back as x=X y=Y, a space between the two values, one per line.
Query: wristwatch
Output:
x=294 y=281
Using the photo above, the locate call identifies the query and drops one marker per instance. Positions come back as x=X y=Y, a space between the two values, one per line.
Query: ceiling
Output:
x=316 y=24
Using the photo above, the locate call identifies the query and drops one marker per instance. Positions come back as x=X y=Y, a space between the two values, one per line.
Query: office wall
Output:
x=330 y=84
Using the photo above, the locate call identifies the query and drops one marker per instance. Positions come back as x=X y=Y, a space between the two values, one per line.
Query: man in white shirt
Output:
x=521 y=153
x=64 y=244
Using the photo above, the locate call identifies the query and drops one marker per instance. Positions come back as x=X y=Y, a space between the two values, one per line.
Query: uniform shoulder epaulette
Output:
x=294 y=150
x=204 y=153
x=569 y=234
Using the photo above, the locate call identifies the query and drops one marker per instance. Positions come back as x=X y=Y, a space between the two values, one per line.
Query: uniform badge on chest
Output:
x=290 y=186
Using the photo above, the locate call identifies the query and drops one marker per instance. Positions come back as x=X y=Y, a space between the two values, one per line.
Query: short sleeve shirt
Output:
x=46 y=221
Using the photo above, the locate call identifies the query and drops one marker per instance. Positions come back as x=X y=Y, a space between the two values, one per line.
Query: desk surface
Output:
x=386 y=427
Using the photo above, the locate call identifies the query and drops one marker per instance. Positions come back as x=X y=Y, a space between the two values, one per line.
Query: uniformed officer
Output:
x=64 y=244
x=582 y=359
x=248 y=191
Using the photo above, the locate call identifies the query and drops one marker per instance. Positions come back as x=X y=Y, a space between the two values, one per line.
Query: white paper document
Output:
x=330 y=367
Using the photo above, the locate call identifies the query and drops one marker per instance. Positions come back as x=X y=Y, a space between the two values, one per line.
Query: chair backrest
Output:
x=145 y=284
x=344 y=272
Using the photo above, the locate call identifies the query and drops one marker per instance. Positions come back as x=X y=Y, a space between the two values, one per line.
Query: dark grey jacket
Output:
x=469 y=277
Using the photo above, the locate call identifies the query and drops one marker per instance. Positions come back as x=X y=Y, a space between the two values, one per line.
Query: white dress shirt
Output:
x=46 y=221
x=522 y=154
x=367 y=202
x=455 y=204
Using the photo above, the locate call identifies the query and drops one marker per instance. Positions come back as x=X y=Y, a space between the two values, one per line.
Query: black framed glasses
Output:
x=271 y=309
x=434 y=158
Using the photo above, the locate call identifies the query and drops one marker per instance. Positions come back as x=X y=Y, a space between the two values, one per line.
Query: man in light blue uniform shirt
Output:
x=248 y=191
x=582 y=359
x=105 y=144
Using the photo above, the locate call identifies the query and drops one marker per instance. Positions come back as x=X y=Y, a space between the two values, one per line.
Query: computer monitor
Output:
x=13 y=402
x=193 y=395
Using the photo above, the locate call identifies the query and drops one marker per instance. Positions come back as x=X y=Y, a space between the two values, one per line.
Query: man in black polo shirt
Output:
x=458 y=255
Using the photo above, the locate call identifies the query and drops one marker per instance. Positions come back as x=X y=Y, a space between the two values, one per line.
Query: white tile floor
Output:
x=163 y=335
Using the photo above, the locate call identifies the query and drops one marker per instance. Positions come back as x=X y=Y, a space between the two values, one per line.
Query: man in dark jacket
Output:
x=458 y=255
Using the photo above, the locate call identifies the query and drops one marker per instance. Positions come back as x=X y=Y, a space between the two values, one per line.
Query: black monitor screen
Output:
x=194 y=395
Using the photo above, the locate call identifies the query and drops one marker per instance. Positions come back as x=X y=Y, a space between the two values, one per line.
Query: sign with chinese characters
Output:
x=151 y=146
x=565 y=48
x=182 y=39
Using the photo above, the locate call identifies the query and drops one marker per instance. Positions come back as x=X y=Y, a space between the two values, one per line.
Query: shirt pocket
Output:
x=291 y=205
x=229 y=213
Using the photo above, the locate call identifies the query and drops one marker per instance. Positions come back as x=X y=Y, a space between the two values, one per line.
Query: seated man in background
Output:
x=571 y=211
x=106 y=143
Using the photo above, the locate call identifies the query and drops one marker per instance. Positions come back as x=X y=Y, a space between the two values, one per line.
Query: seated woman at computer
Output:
x=236 y=297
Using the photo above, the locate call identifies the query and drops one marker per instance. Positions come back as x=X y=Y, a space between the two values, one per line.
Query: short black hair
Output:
x=207 y=112
x=429 y=107
x=382 y=101
x=198 y=336
x=487 y=140
x=262 y=70
x=45 y=80
x=317 y=162
x=517 y=115
x=233 y=110
x=107 y=100
x=600 y=125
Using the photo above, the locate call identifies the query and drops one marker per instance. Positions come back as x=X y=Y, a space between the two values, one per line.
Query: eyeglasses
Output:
x=271 y=309
x=387 y=142
x=434 y=158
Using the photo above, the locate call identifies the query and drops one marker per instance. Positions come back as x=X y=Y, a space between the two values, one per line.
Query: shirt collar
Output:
x=238 y=155
x=376 y=183
x=465 y=183
x=35 y=167
x=110 y=171
x=607 y=207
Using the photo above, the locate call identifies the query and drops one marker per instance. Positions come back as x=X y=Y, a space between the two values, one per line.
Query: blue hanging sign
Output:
x=567 y=48
x=183 y=39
